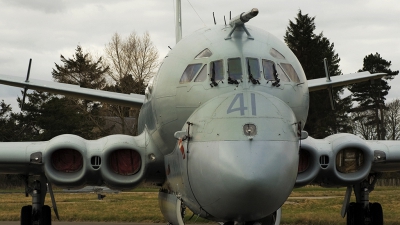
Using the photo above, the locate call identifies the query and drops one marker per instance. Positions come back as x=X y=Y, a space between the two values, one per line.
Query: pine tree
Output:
x=8 y=127
x=371 y=96
x=81 y=70
x=46 y=115
x=311 y=49
x=86 y=72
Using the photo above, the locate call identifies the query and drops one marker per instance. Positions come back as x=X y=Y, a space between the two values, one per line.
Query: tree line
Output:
x=364 y=112
x=126 y=67
x=128 y=64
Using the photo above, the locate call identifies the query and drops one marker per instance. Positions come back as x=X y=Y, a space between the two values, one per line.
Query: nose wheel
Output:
x=273 y=219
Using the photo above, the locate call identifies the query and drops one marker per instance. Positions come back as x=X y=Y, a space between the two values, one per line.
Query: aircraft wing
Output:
x=345 y=159
x=69 y=161
x=74 y=91
x=342 y=80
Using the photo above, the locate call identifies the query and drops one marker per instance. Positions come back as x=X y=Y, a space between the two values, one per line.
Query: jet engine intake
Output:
x=119 y=161
x=127 y=160
x=64 y=161
x=67 y=160
x=308 y=167
x=339 y=159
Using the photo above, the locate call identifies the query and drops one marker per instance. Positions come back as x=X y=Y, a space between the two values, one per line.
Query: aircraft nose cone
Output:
x=237 y=174
x=243 y=180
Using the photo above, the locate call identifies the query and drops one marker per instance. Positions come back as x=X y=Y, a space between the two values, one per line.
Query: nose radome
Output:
x=248 y=180
x=236 y=174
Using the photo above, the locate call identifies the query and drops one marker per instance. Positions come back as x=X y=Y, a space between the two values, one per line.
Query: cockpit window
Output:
x=290 y=72
x=235 y=69
x=282 y=75
x=273 y=71
x=276 y=54
x=217 y=70
x=202 y=75
x=269 y=69
x=204 y=54
x=190 y=71
x=253 y=68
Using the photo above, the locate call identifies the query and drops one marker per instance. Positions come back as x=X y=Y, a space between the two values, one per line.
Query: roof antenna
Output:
x=328 y=79
x=225 y=20
x=230 y=15
x=215 y=23
x=178 y=21
x=26 y=81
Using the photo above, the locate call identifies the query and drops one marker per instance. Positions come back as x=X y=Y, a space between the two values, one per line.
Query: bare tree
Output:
x=132 y=62
x=392 y=120
x=361 y=127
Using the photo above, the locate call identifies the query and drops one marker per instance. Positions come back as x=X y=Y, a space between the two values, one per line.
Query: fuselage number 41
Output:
x=240 y=99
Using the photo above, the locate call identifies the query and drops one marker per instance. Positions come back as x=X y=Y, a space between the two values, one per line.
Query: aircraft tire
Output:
x=359 y=216
x=350 y=214
x=355 y=214
x=376 y=213
x=229 y=223
x=26 y=215
x=46 y=215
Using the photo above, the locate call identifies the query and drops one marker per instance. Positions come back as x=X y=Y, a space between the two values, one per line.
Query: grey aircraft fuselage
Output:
x=238 y=150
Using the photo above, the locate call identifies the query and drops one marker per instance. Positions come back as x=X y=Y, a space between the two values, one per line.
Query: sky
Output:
x=45 y=29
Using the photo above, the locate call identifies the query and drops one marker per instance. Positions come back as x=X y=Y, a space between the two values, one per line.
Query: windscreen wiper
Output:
x=251 y=78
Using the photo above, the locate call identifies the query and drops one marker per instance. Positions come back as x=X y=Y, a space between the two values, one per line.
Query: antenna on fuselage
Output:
x=240 y=20
x=328 y=79
x=178 y=21
x=26 y=81
x=215 y=22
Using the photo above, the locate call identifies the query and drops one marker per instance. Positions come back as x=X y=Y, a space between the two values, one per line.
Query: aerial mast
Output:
x=178 y=21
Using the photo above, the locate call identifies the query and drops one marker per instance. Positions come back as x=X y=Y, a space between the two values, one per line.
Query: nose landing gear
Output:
x=273 y=219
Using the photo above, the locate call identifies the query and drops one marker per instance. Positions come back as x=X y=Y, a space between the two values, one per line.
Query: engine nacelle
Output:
x=125 y=162
x=65 y=163
x=309 y=167
x=119 y=161
x=338 y=160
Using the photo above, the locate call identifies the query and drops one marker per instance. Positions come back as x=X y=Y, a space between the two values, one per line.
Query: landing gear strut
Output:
x=362 y=211
x=37 y=213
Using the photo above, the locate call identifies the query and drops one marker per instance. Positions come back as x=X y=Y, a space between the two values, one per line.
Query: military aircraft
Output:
x=221 y=133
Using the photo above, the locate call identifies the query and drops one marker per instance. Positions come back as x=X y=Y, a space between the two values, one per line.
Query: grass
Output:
x=142 y=206
x=327 y=211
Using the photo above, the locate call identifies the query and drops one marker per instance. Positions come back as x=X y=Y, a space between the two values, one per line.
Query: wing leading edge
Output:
x=134 y=100
x=342 y=80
